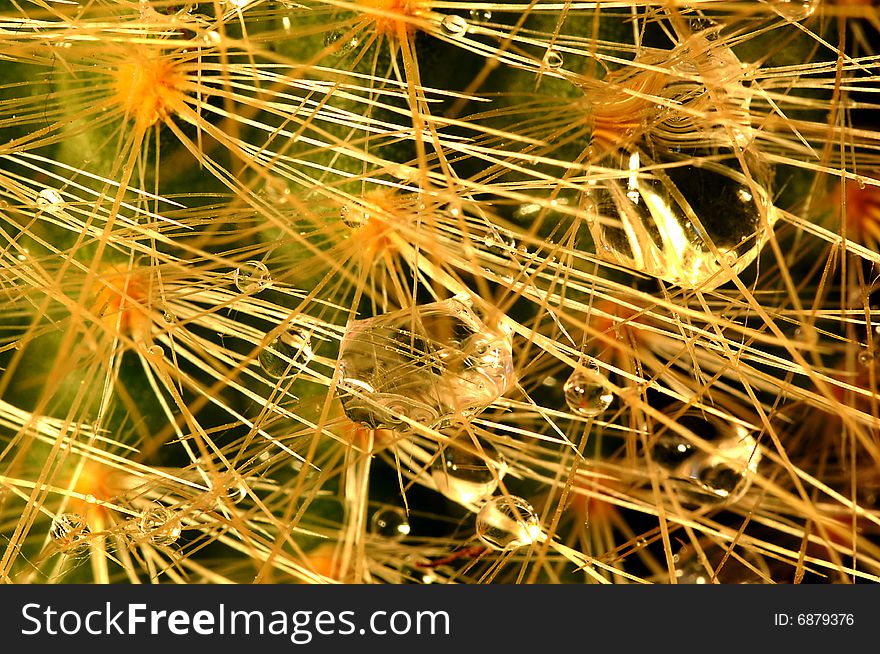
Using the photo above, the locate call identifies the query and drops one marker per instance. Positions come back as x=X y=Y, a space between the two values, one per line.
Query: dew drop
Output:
x=586 y=392
x=463 y=475
x=865 y=358
x=507 y=523
x=480 y=14
x=288 y=354
x=720 y=475
x=70 y=532
x=252 y=277
x=796 y=10
x=337 y=39
x=676 y=167
x=50 y=200
x=156 y=351
x=553 y=59
x=390 y=522
x=454 y=25
x=160 y=525
x=168 y=317
x=423 y=364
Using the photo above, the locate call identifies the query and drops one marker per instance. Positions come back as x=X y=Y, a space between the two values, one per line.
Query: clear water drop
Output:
x=865 y=358
x=679 y=205
x=464 y=475
x=480 y=15
x=160 y=525
x=342 y=41
x=168 y=317
x=50 y=200
x=390 y=522
x=721 y=474
x=553 y=59
x=454 y=25
x=288 y=354
x=423 y=364
x=586 y=391
x=507 y=523
x=252 y=277
x=795 y=10
x=156 y=351
x=70 y=533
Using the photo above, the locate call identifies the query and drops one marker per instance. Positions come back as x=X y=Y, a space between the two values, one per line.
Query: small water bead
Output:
x=454 y=25
x=463 y=475
x=586 y=391
x=553 y=59
x=480 y=15
x=160 y=525
x=156 y=352
x=795 y=10
x=720 y=475
x=425 y=364
x=390 y=522
x=865 y=358
x=508 y=523
x=342 y=40
x=70 y=532
x=252 y=277
x=50 y=200
x=288 y=354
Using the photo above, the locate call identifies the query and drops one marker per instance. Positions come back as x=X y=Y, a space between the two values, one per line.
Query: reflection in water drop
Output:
x=464 y=475
x=423 y=364
x=718 y=476
x=288 y=353
x=454 y=25
x=390 y=522
x=795 y=10
x=160 y=525
x=553 y=59
x=507 y=523
x=671 y=197
x=586 y=392
x=251 y=277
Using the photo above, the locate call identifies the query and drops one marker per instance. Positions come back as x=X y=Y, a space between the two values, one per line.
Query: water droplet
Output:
x=680 y=197
x=288 y=354
x=553 y=59
x=861 y=182
x=390 y=522
x=689 y=568
x=480 y=14
x=160 y=525
x=796 y=10
x=507 y=523
x=720 y=475
x=342 y=41
x=70 y=532
x=50 y=200
x=865 y=358
x=586 y=392
x=462 y=474
x=156 y=351
x=351 y=217
x=252 y=277
x=426 y=363
x=454 y=25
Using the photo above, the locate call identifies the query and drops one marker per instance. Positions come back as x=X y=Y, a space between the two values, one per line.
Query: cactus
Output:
x=395 y=291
